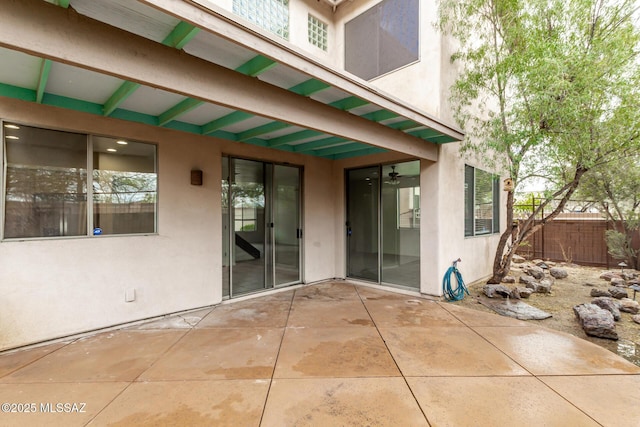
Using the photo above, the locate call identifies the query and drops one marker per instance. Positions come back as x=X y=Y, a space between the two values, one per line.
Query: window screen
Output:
x=382 y=39
x=481 y=207
x=46 y=182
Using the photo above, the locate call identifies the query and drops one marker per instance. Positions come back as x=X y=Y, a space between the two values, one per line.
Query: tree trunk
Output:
x=520 y=232
x=502 y=261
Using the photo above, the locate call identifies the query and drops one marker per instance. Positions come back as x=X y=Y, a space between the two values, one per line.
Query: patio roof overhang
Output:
x=182 y=66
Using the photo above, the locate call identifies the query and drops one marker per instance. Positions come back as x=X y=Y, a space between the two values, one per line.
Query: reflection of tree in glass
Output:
x=248 y=195
x=124 y=187
x=25 y=183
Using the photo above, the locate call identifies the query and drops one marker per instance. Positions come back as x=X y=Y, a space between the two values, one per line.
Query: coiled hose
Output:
x=450 y=293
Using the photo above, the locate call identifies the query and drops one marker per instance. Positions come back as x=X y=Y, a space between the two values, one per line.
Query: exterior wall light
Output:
x=196 y=177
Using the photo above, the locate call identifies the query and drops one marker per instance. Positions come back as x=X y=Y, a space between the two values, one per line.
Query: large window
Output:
x=50 y=176
x=383 y=39
x=272 y=15
x=481 y=202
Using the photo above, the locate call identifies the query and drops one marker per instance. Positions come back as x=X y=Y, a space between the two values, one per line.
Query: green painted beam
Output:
x=180 y=108
x=256 y=65
x=348 y=103
x=123 y=92
x=261 y=130
x=405 y=125
x=346 y=148
x=425 y=133
x=230 y=136
x=380 y=115
x=71 y=103
x=309 y=87
x=229 y=119
x=134 y=116
x=293 y=137
x=183 y=126
x=344 y=104
x=365 y=152
x=16 y=92
x=181 y=34
x=45 y=69
x=62 y=3
x=321 y=143
x=441 y=139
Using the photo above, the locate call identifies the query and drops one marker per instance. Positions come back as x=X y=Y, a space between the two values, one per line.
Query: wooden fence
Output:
x=581 y=241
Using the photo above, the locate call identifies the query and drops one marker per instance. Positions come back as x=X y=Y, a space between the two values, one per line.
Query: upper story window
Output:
x=68 y=184
x=383 y=39
x=481 y=202
x=317 y=33
x=272 y=15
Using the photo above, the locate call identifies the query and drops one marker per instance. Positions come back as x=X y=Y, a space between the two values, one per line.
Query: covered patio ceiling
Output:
x=238 y=94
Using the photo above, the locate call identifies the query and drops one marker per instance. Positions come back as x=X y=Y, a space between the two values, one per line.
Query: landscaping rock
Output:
x=496 y=290
x=599 y=293
x=609 y=304
x=596 y=321
x=629 y=306
x=534 y=286
x=558 y=273
x=517 y=259
x=636 y=318
x=615 y=281
x=628 y=276
x=633 y=282
x=544 y=287
x=535 y=271
x=618 y=293
x=519 y=292
x=525 y=279
x=518 y=309
x=543 y=265
x=508 y=279
x=608 y=275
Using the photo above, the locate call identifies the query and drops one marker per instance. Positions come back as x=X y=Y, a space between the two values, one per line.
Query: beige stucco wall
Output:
x=56 y=287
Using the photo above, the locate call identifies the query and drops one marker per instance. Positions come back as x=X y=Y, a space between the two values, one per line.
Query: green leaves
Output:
x=550 y=79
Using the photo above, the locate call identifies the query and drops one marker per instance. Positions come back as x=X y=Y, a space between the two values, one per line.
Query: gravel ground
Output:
x=565 y=293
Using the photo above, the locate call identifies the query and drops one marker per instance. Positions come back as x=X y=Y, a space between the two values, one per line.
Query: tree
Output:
x=617 y=188
x=547 y=88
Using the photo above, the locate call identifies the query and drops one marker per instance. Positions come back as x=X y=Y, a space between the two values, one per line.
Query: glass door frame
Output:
x=380 y=216
x=349 y=228
x=269 y=229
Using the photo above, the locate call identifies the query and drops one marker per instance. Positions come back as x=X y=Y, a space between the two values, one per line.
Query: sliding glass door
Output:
x=261 y=226
x=383 y=224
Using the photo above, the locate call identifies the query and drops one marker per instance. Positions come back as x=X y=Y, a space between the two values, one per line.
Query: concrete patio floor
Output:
x=332 y=354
